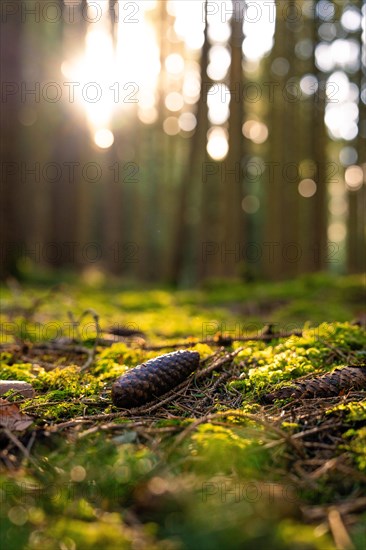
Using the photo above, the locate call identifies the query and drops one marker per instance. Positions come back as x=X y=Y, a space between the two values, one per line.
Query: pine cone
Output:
x=124 y=332
x=328 y=385
x=153 y=378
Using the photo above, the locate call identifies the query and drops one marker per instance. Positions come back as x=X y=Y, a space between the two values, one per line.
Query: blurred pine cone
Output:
x=328 y=385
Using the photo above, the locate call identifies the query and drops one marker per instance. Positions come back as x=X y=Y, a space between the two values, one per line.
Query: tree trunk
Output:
x=185 y=267
x=11 y=237
x=233 y=230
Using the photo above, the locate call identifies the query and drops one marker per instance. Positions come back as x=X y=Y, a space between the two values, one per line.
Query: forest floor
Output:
x=264 y=446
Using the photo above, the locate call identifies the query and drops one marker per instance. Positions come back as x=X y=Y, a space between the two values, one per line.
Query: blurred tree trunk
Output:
x=113 y=197
x=159 y=184
x=295 y=226
x=11 y=235
x=209 y=261
x=307 y=165
x=356 y=238
x=184 y=267
x=140 y=203
x=271 y=257
x=233 y=219
x=313 y=210
x=112 y=191
x=65 y=196
x=289 y=250
x=318 y=224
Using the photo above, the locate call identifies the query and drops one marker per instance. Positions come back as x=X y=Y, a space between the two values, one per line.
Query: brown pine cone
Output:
x=328 y=385
x=153 y=378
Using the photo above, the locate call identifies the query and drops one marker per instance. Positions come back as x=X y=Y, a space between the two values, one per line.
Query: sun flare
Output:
x=114 y=77
x=120 y=65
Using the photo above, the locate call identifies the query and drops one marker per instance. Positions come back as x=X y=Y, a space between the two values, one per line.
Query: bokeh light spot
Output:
x=307 y=188
x=348 y=156
x=337 y=232
x=217 y=146
x=174 y=64
x=18 y=515
x=174 y=101
x=250 y=204
x=171 y=126
x=187 y=122
x=354 y=177
x=103 y=138
x=256 y=131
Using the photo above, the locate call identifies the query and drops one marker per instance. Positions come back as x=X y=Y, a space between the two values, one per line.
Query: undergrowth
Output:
x=213 y=467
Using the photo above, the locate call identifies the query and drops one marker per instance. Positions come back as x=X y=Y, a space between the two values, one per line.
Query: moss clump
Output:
x=20 y=371
x=69 y=380
x=60 y=394
x=214 y=448
x=354 y=413
x=116 y=355
x=319 y=350
x=357 y=446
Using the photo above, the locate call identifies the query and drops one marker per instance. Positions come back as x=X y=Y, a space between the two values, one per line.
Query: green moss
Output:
x=118 y=354
x=354 y=411
x=303 y=536
x=357 y=446
x=354 y=414
x=108 y=533
x=20 y=371
x=216 y=448
x=70 y=381
x=81 y=489
x=319 y=350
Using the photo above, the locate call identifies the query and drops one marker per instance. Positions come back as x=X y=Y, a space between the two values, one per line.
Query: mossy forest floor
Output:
x=213 y=464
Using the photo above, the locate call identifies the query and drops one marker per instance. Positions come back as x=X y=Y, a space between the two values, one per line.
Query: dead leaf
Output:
x=11 y=417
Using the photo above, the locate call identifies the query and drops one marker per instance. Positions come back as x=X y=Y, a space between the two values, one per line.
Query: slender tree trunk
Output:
x=356 y=228
x=184 y=265
x=11 y=237
x=271 y=257
x=233 y=230
x=289 y=250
